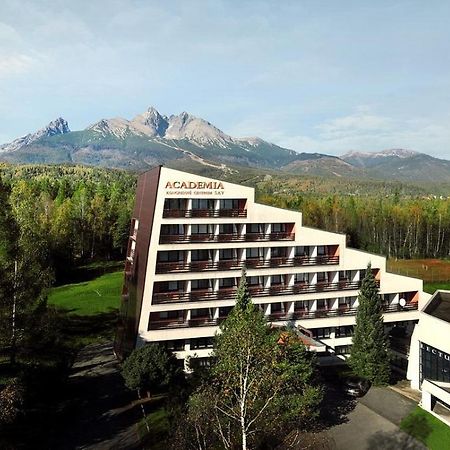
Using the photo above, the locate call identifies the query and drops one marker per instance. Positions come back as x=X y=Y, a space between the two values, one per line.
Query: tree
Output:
x=370 y=350
x=253 y=377
x=150 y=368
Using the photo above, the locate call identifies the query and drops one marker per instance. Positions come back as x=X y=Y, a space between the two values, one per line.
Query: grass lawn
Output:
x=429 y=270
x=426 y=428
x=100 y=295
x=154 y=437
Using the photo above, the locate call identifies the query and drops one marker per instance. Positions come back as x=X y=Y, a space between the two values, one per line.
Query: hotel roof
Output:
x=439 y=306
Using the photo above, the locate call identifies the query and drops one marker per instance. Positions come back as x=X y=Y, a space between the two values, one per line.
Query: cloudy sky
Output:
x=328 y=76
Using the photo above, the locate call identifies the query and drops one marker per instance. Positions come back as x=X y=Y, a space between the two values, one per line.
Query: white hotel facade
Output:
x=191 y=237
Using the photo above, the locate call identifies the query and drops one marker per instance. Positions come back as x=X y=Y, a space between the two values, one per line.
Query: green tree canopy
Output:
x=370 y=349
x=259 y=384
x=150 y=367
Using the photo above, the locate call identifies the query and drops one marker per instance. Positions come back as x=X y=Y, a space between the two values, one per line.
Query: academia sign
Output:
x=194 y=185
x=194 y=188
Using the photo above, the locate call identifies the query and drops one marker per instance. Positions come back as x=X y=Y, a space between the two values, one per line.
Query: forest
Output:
x=80 y=214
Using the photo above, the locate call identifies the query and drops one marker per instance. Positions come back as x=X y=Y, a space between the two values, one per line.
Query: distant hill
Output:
x=150 y=139
x=146 y=140
x=399 y=164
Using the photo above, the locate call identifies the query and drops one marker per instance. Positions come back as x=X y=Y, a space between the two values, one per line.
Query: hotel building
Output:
x=429 y=359
x=190 y=238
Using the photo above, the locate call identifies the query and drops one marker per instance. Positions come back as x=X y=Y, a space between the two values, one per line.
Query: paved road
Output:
x=373 y=424
x=99 y=411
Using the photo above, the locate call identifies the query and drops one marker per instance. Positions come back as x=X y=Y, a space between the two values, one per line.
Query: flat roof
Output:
x=439 y=306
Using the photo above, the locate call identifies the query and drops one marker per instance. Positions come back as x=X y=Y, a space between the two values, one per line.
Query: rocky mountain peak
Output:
x=55 y=127
x=151 y=123
x=58 y=126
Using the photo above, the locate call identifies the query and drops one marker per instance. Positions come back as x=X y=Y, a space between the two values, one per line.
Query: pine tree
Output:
x=370 y=350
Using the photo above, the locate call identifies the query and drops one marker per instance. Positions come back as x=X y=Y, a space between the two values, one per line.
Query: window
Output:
x=173 y=229
x=227 y=282
x=200 y=284
x=202 y=203
x=227 y=228
x=321 y=250
x=229 y=204
x=255 y=228
x=200 y=313
x=321 y=333
x=200 y=343
x=344 y=302
x=279 y=228
x=276 y=279
x=321 y=277
x=174 y=203
x=322 y=304
x=255 y=252
x=224 y=311
x=301 y=251
x=342 y=349
x=174 y=346
x=172 y=256
x=344 y=331
x=301 y=278
x=344 y=275
x=200 y=255
x=301 y=305
x=276 y=308
x=253 y=281
x=202 y=229
x=228 y=253
x=278 y=252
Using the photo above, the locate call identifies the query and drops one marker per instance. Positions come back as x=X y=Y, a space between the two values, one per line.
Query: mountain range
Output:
x=151 y=138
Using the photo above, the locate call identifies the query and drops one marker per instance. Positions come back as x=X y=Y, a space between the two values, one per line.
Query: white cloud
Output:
x=11 y=65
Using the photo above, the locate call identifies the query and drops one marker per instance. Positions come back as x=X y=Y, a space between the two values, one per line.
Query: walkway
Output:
x=99 y=412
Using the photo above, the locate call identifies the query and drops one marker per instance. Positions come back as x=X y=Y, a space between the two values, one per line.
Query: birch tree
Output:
x=257 y=384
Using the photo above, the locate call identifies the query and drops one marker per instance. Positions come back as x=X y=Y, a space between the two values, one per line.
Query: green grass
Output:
x=96 y=296
x=427 y=429
x=432 y=287
x=155 y=436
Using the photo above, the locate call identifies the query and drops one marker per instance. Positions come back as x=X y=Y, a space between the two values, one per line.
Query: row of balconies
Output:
x=227 y=237
x=182 y=322
x=249 y=263
x=255 y=291
x=209 y=212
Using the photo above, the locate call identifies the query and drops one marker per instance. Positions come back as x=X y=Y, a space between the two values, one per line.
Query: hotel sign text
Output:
x=194 y=188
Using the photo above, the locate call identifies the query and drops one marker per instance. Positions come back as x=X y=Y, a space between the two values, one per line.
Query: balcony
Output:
x=250 y=263
x=255 y=291
x=322 y=313
x=232 y=237
x=189 y=213
x=198 y=266
x=277 y=316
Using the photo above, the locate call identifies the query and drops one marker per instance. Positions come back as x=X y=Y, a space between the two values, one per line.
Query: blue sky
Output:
x=327 y=76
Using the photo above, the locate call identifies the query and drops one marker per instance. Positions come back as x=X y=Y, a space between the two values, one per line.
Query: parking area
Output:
x=373 y=424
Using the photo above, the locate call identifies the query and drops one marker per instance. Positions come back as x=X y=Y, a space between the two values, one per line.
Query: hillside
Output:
x=150 y=139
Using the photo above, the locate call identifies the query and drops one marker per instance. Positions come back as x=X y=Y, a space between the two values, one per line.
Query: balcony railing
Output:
x=230 y=293
x=278 y=316
x=229 y=237
x=320 y=313
x=188 y=213
x=199 y=266
x=182 y=323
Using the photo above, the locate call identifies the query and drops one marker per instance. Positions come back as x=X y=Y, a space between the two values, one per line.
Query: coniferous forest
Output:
x=80 y=214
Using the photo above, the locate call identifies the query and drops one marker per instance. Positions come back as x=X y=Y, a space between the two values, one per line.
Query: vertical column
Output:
x=189 y=204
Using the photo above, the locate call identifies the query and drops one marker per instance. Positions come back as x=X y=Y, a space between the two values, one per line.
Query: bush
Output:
x=151 y=368
x=11 y=402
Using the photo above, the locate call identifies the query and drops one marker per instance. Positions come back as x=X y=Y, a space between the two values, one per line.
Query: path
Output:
x=99 y=412
x=373 y=424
